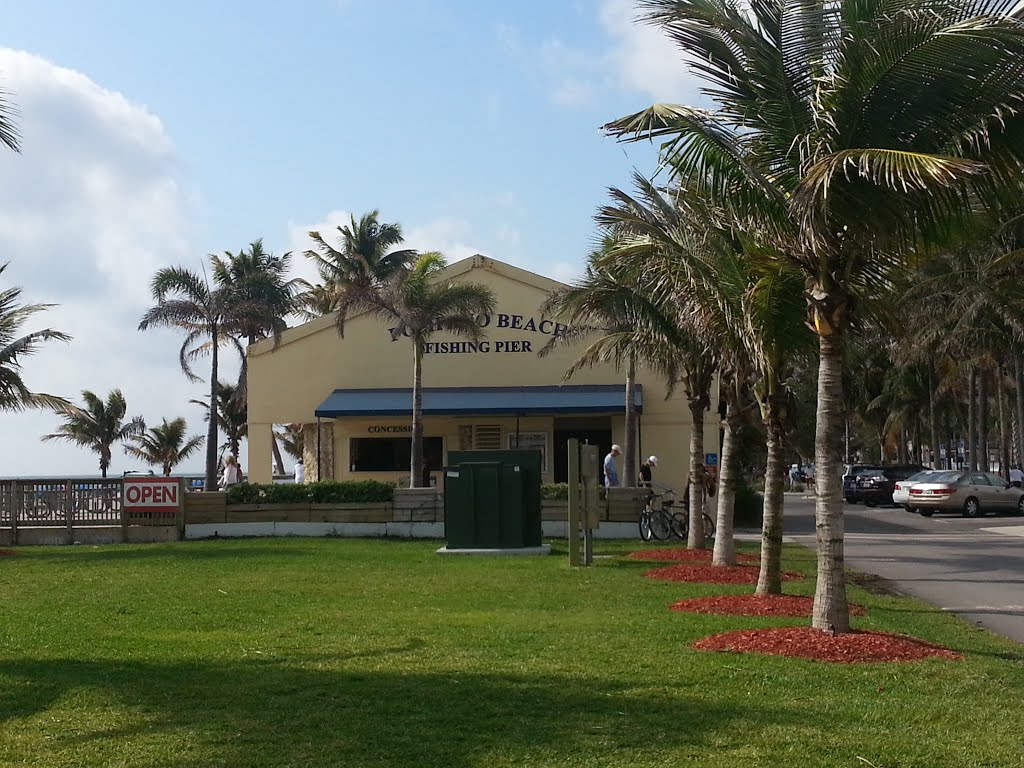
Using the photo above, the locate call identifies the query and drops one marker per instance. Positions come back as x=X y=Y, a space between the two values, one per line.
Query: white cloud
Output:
x=643 y=58
x=636 y=57
x=88 y=212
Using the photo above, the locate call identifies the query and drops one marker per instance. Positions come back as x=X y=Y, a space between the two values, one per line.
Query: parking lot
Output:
x=974 y=568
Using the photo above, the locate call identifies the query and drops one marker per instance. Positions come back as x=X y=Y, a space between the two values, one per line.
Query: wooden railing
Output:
x=60 y=503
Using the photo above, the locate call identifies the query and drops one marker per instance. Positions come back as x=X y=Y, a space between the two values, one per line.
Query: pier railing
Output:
x=60 y=503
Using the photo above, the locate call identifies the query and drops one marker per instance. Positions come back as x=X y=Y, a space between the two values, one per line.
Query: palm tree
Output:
x=257 y=281
x=9 y=135
x=419 y=304
x=14 y=393
x=604 y=305
x=208 y=316
x=257 y=284
x=316 y=300
x=167 y=445
x=292 y=440
x=231 y=416
x=735 y=291
x=363 y=259
x=846 y=137
x=99 y=425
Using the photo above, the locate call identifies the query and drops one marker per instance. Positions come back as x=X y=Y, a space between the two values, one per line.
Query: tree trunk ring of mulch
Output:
x=713 y=574
x=687 y=555
x=753 y=605
x=808 y=643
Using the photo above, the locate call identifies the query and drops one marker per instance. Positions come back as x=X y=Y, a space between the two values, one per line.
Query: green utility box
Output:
x=492 y=500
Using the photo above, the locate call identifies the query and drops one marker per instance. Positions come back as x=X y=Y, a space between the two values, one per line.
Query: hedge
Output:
x=555 y=492
x=325 y=492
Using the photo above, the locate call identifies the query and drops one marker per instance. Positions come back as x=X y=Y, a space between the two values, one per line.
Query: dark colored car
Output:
x=875 y=486
x=850 y=490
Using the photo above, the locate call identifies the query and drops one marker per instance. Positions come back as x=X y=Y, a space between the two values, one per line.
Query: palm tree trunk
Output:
x=416 y=460
x=243 y=388
x=933 y=431
x=695 y=538
x=278 y=461
x=725 y=546
x=211 y=427
x=769 y=581
x=1004 y=438
x=1018 y=370
x=901 y=454
x=972 y=419
x=629 y=439
x=983 y=465
x=831 y=611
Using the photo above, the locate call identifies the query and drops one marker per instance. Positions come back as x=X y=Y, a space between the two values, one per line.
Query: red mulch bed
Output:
x=753 y=605
x=713 y=574
x=7 y=552
x=676 y=553
x=808 y=643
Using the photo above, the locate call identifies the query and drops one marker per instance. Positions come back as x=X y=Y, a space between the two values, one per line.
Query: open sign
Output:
x=152 y=494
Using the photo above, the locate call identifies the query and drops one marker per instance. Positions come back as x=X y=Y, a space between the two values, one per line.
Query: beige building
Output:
x=353 y=393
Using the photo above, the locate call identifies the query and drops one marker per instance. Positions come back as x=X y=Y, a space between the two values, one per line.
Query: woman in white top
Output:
x=232 y=473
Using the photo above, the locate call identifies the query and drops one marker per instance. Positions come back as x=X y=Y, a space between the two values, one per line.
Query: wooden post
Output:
x=16 y=496
x=572 y=531
x=181 y=509
x=590 y=459
x=68 y=514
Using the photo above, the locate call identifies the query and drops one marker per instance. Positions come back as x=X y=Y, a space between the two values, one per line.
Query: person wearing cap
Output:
x=611 y=470
x=646 y=476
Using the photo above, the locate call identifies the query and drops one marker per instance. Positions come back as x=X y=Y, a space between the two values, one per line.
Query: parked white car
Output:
x=901 y=491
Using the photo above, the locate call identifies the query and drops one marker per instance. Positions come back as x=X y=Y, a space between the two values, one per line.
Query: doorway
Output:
x=594 y=431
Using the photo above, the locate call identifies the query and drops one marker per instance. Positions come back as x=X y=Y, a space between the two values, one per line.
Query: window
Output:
x=531 y=441
x=480 y=437
x=392 y=454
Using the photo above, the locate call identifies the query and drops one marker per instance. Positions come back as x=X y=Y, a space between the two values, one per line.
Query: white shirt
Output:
x=300 y=473
x=1016 y=476
x=231 y=475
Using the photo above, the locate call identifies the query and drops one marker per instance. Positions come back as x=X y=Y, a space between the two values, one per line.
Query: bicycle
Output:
x=659 y=522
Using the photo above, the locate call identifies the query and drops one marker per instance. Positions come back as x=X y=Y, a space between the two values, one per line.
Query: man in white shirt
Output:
x=300 y=472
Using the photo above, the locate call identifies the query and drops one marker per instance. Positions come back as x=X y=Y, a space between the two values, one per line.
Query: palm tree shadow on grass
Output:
x=297 y=713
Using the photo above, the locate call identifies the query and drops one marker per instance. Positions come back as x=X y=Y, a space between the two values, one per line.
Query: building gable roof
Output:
x=459 y=268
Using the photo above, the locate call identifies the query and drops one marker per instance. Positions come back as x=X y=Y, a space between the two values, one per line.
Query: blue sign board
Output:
x=711 y=459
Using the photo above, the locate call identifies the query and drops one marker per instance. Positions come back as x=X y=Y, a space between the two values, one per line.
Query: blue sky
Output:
x=158 y=133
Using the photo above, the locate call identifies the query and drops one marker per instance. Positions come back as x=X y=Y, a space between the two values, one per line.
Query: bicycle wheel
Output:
x=661 y=528
x=709 y=526
x=645 y=525
x=681 y=525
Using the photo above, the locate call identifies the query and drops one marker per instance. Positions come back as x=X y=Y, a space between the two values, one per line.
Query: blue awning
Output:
x=465 y=401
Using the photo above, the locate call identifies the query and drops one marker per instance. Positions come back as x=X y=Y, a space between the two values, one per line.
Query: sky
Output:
x=155 y=134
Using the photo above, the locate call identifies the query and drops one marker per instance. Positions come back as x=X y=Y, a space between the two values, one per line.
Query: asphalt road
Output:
x=974 y=568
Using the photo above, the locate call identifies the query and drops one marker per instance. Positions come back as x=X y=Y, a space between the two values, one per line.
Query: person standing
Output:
x=1016 y=476
x=611 y=470
x=646 y=474
x=232 y=473
x=300 y=472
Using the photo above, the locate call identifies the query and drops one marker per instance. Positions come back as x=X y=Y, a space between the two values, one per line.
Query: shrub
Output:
x=325 y=492
x=749 y=507
x=555 y=492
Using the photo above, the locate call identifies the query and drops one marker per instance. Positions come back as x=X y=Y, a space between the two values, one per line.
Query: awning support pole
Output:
x=318 y=449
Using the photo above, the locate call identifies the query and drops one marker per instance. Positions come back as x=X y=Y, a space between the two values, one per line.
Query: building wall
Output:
x=288 y=382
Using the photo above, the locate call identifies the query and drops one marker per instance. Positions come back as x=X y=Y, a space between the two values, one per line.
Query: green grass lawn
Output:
x=334 y=652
